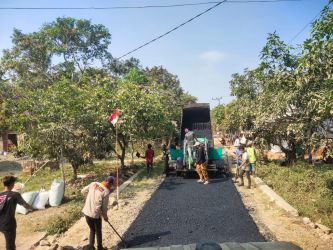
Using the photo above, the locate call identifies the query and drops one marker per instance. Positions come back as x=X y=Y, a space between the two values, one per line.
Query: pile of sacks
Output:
x=39 y=200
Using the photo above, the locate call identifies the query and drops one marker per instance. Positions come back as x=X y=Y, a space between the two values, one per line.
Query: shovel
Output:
x=125 y=244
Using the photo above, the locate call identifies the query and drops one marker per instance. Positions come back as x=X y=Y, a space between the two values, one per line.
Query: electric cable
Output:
x=145 y=6
x=301 y=31
x=312 y=20
x=168 y=32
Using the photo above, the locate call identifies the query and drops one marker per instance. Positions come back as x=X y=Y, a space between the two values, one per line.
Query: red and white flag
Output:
x=114 y=117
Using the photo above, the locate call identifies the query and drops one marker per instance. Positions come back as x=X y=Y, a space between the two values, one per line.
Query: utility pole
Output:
x=217 y=99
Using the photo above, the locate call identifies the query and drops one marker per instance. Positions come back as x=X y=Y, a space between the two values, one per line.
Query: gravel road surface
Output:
x=183 y=211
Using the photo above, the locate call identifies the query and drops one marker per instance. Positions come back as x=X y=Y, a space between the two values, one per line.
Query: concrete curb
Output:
x=125 y=184
x=279 y=201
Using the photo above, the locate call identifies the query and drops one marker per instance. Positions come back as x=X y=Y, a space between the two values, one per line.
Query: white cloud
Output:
x=213 y=56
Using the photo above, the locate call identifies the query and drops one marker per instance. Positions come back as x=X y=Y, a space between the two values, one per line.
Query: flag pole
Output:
x=117 y=177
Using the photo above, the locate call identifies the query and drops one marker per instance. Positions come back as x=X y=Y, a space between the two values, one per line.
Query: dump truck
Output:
x=196 y=118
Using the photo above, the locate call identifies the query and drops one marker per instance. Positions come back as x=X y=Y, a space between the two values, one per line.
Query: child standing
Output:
x=149 y=156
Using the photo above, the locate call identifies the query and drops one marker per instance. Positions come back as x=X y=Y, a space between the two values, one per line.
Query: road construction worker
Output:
x=188 y=146
x=251 y=152
x=8 y=202
x=238 y=155
x=201 y=163
x=96 y=207
x=244 y=168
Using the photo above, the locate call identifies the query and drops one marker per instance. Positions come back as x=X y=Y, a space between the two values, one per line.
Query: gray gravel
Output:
x=183 y=211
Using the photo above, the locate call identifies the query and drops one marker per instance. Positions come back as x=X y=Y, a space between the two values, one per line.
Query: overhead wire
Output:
x=216 y=4
x=305 y=26
x=191 y=19
x=175 y=28
x=145 y=6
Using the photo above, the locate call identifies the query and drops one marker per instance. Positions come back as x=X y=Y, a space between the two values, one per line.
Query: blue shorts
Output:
x=253 y=167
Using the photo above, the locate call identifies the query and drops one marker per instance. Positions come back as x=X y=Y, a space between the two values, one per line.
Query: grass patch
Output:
x=62 y=223
x=309 y=188
x=143 y=180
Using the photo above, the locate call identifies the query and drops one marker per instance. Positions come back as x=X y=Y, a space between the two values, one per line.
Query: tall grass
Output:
x=309 y=188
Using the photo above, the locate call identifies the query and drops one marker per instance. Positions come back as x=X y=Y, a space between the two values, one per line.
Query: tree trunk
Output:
x=122 y=157
x=75 y=168
x=132 y=153
x=290 y=153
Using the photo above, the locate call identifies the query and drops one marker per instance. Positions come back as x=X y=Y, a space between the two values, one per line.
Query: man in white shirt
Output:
x=237 y=142
x=96 y=207
x=245 y=168
x=188 y=146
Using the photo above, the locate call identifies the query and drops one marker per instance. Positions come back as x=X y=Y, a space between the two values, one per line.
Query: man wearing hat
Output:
x=96 y=207
x=201 y=162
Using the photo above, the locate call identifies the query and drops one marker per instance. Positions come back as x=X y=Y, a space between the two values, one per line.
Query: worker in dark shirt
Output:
x=201 y=163
x=8 y=202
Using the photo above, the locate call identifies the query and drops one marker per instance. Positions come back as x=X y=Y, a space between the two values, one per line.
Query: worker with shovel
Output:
x=96 y=206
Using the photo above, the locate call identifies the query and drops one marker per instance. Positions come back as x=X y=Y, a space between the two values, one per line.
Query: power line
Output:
x=145 y=6
x=313 y=19
x=168 y=32
x=301 y=31
x=108 y=8
x=177 y=27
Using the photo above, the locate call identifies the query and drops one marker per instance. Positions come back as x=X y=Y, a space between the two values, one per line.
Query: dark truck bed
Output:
x=196 y=117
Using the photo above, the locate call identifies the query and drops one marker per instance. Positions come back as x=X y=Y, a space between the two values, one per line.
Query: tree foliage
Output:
x=287 y=99
x=59 y=85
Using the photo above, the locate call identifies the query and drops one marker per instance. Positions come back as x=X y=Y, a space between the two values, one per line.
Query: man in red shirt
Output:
x=149 y=156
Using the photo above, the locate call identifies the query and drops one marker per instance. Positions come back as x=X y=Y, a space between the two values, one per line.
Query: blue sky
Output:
x=203 y=54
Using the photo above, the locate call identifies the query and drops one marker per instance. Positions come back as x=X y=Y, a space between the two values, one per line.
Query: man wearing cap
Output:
x=201 y=163
x=96 y=207
x=8 y=202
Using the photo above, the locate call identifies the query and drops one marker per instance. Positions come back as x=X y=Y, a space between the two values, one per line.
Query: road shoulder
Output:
x=277 y=224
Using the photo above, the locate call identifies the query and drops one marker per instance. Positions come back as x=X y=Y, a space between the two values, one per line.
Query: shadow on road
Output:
x=146 y=238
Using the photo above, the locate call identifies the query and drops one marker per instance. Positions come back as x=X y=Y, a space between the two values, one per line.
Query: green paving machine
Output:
x=196 y=118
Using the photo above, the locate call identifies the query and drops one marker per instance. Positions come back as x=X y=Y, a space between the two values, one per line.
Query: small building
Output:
x=8 y=139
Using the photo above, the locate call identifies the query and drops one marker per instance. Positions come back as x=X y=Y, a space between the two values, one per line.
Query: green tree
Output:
x=66 y=48
x=65 y=120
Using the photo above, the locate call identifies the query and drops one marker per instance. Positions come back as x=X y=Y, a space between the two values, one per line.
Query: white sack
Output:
x=29 y=198
x=41 y=200
x=56 y=192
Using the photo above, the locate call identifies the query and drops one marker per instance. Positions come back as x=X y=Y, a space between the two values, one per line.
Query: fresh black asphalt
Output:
x=182 y=211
